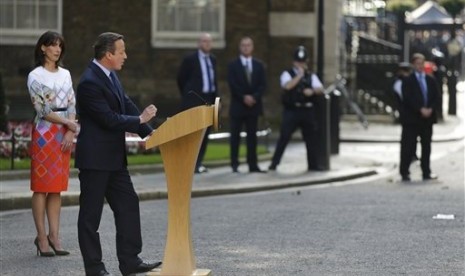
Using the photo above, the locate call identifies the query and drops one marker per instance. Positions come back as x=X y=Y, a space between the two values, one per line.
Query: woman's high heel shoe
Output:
x=42 y=253
x=57 y=252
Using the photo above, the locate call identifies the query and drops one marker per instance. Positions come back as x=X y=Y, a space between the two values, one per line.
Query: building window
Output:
x=23 y=21
x=178 y=23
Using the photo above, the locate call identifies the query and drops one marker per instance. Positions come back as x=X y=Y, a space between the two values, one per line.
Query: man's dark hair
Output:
x=416 y=56
x=105 y=43
x=48 y=38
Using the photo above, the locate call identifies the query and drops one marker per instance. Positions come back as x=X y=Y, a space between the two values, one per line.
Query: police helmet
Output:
x=300 y=54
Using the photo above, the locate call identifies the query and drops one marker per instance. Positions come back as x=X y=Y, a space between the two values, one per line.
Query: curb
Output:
x=72 y=199
x=438 y=139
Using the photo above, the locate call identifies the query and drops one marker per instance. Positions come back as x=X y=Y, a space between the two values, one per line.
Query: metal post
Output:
x=452 y=90
x=320 y=41
x=323 y=119
x=334 y=121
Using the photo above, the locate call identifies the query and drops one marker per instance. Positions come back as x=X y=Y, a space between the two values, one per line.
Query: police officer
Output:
x=300 y=88
x=403 y=70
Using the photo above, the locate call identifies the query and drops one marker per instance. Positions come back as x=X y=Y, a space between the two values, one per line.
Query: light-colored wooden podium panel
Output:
x=182 y=124
x=216 y=114
x=197 y=272
x=179 y=139
x=180 y=156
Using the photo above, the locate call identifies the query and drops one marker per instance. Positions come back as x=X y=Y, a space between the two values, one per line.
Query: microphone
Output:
x=198 y=96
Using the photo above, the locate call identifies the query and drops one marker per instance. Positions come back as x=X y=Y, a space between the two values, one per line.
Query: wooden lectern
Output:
x=179 y=139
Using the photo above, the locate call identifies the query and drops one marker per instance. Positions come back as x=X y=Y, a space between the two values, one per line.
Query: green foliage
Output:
x=452 y=6
x=401 y=6
x=20 y=164
x=215 y=151
x=220 y=151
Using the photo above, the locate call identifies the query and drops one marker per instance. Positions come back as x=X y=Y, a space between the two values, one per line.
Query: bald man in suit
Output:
x=197 y=82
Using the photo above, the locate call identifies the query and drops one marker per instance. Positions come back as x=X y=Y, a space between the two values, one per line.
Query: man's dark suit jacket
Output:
x=412 y=100
x=239 y=87
x=105 y=117
x=190 y=79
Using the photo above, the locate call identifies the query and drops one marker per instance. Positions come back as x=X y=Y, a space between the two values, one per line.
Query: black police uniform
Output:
x=299 y=112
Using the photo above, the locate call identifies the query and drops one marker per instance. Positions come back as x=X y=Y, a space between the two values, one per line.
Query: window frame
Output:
x=183 y=39
x=27 y=36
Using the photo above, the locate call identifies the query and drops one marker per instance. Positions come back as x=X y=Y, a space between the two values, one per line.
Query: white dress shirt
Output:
x=203 y=66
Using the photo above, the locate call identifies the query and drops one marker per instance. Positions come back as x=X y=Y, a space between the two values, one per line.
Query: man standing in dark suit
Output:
x=419 y=103
x=198 y=85
x=247 y=83
x=106 y=113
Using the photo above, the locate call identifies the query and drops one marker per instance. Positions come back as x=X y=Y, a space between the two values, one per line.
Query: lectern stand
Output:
x=179 y=140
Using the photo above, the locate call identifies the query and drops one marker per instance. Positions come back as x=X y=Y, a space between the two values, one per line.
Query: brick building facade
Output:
x=149 y=74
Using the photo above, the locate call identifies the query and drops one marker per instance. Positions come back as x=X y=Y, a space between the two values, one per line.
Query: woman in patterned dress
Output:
x=52 y=95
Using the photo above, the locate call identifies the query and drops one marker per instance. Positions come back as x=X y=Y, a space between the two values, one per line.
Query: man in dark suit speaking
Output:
x=198 y=85
x=247 y=83
x=418 y=114
x=106 y=113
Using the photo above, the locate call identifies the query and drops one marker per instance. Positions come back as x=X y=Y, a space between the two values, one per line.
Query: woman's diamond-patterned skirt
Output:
x=49 y=164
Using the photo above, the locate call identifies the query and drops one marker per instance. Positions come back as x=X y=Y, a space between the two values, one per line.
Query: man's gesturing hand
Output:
x=148 y=113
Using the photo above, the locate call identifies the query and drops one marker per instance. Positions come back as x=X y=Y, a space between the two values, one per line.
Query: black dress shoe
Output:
x=406 y=178
x=235 y=170
x=143 y=267
x=272 y=168
x=58 y=252
x=431 y=176
x=256 y=170
x=42 y=253
x=201 y=169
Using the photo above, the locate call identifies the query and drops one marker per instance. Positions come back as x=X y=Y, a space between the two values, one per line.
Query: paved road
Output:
x=375 y=226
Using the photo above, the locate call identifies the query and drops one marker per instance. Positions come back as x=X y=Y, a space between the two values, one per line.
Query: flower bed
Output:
x=22 y=136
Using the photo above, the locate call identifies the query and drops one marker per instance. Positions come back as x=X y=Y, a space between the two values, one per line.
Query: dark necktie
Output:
x=209 y=75
x=115 y=84
x=248 y=72
x=424 y=90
